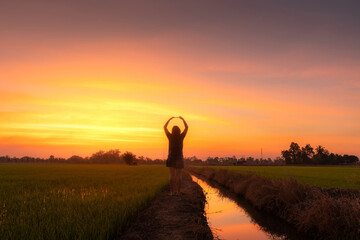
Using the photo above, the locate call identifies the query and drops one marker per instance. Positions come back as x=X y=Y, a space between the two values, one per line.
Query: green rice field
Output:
x=55 y=201
x=326 y=177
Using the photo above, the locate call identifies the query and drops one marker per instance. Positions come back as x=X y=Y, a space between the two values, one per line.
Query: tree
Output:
x=192 y=161
x=111 y=156
x=286 y=155
x=350 y=159
x=75 y=159
x=141 y=160
x=295 y=152
x=307 y=153
x=129 y=158
x=97 y=157
x=250 y=161
x=293 y=155
x=321 y=156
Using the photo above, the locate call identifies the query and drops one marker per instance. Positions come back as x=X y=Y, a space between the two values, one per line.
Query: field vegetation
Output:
x=74 y=201
x=320 y=176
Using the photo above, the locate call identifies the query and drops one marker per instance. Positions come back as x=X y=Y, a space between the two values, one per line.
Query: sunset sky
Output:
x=80 y=76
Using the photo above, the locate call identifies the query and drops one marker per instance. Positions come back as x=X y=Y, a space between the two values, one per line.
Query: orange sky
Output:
x=69 y=90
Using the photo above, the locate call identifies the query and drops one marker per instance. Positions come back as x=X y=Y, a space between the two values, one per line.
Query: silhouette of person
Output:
x=175 y=160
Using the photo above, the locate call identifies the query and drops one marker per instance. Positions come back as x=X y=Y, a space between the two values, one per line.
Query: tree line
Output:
x=113 y=156
x=308 y=155
x=294 y=155
x=234 y=161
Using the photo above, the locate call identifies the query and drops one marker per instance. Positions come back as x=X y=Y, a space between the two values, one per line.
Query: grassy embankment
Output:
x=73 y=201
x=325 y=177
x=321 y=213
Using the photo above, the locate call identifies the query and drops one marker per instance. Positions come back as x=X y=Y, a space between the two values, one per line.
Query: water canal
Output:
x=233 y=218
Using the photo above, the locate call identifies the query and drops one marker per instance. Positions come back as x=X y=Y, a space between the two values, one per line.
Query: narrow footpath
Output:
x=172 y=217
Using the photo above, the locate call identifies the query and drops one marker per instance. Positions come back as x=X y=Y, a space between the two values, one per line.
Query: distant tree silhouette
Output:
x=350 y=159
x=307 y=155
x=212 y=161
x=293 y=155
x=75 y=159
x=193 y=161
x=129 y=158
x=321 y=156
x=111 y=156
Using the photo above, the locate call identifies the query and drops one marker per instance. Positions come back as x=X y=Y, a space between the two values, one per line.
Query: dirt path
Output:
x=172 y=217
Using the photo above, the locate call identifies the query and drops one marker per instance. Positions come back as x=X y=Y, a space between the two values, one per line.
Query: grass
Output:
x=73 y=201
x=326 y=177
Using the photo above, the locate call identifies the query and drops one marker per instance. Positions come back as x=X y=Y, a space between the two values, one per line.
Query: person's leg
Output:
x=178 y=180
x=172 y=180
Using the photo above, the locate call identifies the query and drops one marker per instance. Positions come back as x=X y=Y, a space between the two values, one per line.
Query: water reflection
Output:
x=232 y=218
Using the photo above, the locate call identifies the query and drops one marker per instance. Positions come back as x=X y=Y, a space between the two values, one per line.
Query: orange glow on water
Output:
x=228 y=220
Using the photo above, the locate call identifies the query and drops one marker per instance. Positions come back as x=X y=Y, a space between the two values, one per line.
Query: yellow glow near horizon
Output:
x=78 y=103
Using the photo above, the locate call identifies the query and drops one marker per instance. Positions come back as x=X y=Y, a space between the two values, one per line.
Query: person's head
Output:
x=175 y=131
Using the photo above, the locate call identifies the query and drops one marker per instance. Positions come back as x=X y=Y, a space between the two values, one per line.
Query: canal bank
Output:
x=172 y=217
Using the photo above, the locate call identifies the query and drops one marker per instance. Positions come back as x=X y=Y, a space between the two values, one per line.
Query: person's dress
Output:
x=175 y=158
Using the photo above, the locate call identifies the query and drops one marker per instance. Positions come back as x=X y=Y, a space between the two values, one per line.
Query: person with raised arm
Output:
x=175 y=160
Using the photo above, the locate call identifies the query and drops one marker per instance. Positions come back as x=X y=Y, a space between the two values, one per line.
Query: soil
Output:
x=172 y=217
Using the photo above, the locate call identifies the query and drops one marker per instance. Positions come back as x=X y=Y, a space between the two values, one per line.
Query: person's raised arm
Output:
x=183 y=134
x=165 y=127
